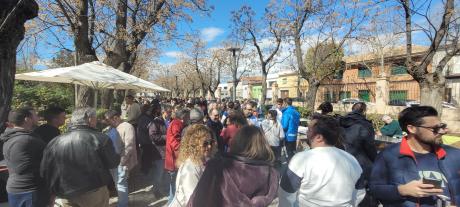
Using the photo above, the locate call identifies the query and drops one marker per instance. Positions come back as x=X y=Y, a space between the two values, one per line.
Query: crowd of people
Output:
x=225 y=153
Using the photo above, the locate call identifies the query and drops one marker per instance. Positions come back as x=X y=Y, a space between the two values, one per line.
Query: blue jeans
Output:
x=122 y=186
x=172 y=185
x=26 y=199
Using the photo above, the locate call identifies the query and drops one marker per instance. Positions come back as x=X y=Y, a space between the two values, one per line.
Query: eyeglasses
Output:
x=436 y=129
x=208 y=142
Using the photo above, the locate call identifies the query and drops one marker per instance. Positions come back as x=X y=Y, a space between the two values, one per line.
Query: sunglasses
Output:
x=436 y=129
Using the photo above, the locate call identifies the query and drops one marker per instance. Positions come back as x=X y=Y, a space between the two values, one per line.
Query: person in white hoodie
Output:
x=324 y=175
x=274 y=133
x=197 y=146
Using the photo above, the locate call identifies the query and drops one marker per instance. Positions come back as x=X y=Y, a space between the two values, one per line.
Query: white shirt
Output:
x=187 y=178
x=323 y=176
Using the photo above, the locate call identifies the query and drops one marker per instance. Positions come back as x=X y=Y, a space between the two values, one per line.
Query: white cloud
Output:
x=210 y=33
x=174 y=54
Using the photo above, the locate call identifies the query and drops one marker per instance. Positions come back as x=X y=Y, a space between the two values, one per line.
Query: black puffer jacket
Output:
x=359 y=140
x=78 y=161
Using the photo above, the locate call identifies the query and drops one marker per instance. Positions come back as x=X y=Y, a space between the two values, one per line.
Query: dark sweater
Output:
x=47 y=132
x=23 y=153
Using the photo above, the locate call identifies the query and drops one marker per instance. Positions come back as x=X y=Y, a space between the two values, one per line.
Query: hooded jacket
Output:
x=236 y=181
x=290 y=122
x=359 y=138
x=78 y=161
x=23 y=152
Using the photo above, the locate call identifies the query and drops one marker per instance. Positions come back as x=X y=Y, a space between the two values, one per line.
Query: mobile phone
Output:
x=435 y=182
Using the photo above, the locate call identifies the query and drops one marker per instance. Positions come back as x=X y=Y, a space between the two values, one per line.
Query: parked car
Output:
x=350 y=100
x=407 y=103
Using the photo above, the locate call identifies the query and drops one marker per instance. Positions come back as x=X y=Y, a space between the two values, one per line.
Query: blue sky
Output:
x=213 y=28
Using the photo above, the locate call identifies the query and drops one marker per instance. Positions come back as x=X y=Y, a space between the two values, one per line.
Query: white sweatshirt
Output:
x=323 y=176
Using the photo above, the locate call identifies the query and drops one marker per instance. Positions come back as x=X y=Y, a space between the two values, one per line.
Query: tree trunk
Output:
x=263 y=98
x=310 y=96
x=432 y=94
x=85 y=51
x=11 y=34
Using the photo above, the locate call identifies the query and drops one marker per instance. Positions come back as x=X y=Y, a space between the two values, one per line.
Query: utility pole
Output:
x=234 y=71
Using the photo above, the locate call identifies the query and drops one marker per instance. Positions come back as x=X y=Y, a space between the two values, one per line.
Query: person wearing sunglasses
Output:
x=197 y=146
x=420 y=170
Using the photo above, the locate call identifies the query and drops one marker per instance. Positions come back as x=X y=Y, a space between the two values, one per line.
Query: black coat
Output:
x=216 y=128
x=78 y=161
x=359 y=140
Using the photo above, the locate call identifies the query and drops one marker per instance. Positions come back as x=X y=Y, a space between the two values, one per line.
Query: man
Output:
x=128 y=156
x=290 y=123
x=157 y=133
x=279 y=108
x=402 y=172
x=324 y=175
x=132 y=110
x=359 y=138
x=55 y=118
x=173 y=138
x=216 y=126
x=166 y=114
x=76 y=164
x=196 y=116
x=249 y=109
x=230 y=106
x=23 y=152
x=391 y=128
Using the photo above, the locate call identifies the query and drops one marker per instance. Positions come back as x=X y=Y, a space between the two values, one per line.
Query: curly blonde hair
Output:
x=191 y=146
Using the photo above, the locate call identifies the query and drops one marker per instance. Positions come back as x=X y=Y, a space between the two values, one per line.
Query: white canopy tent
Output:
x=94 y=74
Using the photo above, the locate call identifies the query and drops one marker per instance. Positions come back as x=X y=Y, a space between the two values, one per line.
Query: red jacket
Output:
x=173 y=137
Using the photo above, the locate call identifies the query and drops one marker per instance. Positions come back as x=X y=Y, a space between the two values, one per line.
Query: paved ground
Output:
x=141 y=194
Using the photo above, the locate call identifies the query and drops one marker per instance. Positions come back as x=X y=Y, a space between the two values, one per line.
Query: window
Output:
x=398 y=70
x=364 y=95
x=330 y=97
x=344 y=94
x=398 y=95
x=448 y=95
x=284 y=81
x=339 y=74
x=364 y=72
x=284 y=93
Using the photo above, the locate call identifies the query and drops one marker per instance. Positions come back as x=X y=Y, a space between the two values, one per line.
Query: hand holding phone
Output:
x=435 y=182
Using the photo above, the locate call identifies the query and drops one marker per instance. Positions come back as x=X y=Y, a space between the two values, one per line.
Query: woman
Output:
x=196 y=148
x=273 y=133
x=244 y=177
x=234 y=122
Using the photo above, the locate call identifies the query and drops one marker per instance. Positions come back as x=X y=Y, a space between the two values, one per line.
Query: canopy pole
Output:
x=95 y=98
x=76 y=95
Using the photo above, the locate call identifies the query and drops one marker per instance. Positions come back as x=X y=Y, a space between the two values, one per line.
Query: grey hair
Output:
x=81 y=116
x=182 y=113
x=385 y=117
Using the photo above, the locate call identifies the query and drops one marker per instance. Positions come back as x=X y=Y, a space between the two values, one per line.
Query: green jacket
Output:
x=391 y=129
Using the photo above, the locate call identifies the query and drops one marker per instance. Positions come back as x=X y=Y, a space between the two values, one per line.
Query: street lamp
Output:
x=234 y=71
x=177 y=88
